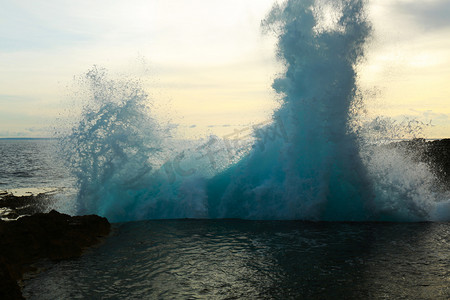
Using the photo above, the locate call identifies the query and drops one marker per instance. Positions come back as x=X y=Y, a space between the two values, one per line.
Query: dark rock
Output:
x=435 y=153
x=53 y=236
x=24 y=205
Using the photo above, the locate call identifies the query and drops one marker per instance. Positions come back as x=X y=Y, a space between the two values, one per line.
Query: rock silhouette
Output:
x=52 y=235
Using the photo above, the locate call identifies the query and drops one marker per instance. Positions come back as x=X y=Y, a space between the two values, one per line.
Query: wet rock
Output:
x=53 y=236
x=435 y=153
x=12 y=206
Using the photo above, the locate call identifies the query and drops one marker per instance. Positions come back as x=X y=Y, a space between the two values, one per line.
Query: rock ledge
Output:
x=52 y=235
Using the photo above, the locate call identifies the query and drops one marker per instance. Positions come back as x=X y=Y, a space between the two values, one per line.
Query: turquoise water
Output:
x=237 y=259
x=316 y=159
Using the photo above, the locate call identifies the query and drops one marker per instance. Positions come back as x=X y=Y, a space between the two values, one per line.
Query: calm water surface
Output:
x=234 y=259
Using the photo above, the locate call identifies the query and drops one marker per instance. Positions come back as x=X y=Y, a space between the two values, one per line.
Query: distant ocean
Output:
x=32 y=163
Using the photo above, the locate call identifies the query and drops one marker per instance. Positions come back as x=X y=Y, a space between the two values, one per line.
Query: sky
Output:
x=206 y=64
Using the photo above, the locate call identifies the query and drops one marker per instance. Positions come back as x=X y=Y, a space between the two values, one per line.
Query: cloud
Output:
x=5 y=98
x=26 y=132
x=426 y=117
x=224 y=125
x=429 y=15
x=25 y=28
x=429 y=114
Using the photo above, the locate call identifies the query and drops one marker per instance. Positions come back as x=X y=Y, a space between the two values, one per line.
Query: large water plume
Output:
x=318 y=174
x=314 y=166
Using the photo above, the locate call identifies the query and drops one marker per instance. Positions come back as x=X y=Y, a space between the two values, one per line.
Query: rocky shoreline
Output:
x=15 y=205
x=53 y=236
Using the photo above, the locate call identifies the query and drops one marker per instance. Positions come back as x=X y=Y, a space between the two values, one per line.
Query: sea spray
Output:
x=319 y=174
x=117 y=152
x=115 y=136
x=309 y=162
x=332 y=168
x=406 y=185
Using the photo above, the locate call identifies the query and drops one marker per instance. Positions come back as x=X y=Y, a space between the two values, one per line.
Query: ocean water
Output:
x=238 y=259
x=32 y=163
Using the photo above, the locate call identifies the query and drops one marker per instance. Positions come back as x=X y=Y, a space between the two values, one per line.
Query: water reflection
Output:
x=257 y=259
